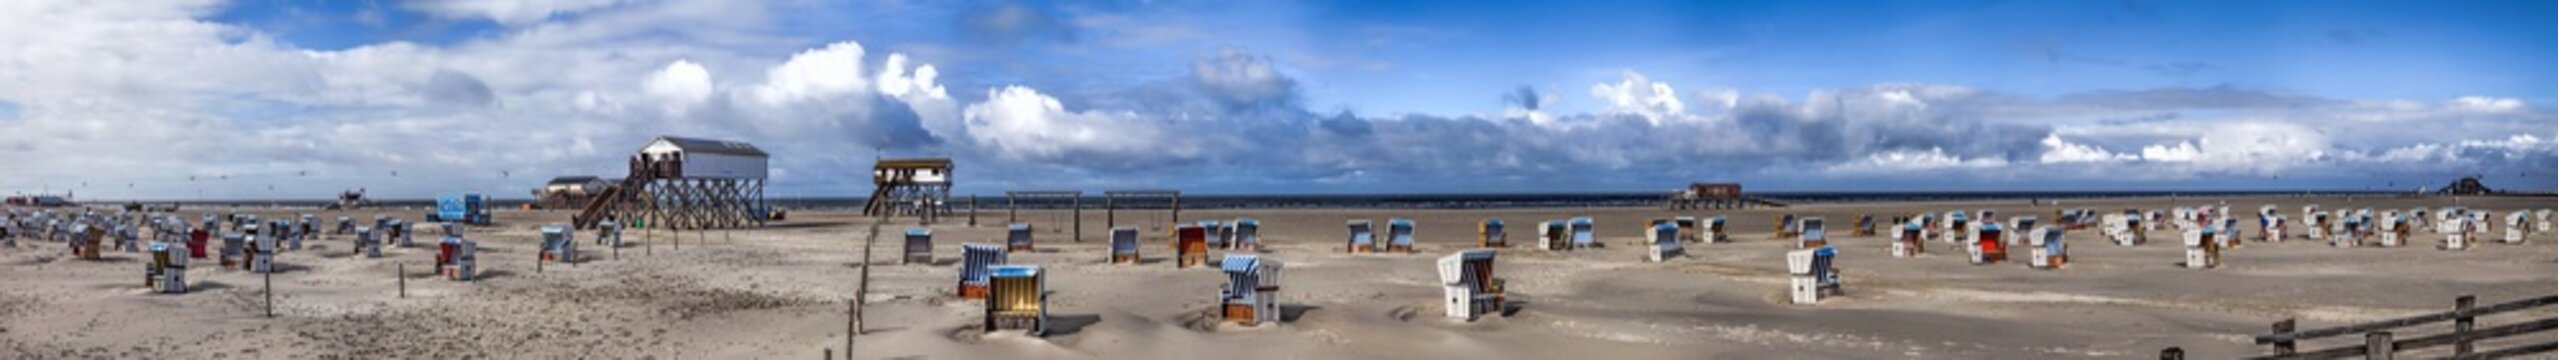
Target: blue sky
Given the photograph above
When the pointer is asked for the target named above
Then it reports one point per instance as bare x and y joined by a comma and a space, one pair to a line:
1271, 96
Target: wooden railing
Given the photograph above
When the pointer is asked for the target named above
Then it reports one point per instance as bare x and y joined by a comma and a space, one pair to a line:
2381, 342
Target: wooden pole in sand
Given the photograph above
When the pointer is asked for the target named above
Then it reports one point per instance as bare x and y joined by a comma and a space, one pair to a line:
270, 293
2376, 345
402, 273
1078, 214
854, 328
2464, 324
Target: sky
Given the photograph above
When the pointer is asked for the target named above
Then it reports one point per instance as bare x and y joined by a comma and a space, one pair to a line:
215, 99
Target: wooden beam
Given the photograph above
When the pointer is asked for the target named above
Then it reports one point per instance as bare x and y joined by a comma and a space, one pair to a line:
2513, 351
2407, 321
2431, 341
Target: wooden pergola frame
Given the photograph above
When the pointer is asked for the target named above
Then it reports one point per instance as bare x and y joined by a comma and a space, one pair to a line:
1013, 200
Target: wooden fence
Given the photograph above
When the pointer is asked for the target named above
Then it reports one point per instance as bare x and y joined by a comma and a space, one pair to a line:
2382, 339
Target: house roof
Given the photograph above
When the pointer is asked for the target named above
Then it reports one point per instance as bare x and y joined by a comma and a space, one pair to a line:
707, 146
573, 180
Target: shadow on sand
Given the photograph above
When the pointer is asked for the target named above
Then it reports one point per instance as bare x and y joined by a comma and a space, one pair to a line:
1059, 325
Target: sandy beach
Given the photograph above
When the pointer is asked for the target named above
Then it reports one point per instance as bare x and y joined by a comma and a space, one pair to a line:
783, 291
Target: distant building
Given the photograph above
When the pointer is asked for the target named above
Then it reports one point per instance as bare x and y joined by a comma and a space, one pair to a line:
569, 191
40, 200
2466, 186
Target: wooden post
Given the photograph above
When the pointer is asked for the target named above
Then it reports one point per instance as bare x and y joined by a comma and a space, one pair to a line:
2461, 327
1078, 213
972, 211
1176, 209
270, 293
854, 328
403, 274
2284, 347
1109, 210
2376, 346
1012, 210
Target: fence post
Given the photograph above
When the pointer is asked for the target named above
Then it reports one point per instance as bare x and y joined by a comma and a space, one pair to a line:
2285, 346
1078, 214
270, 292
2460, 328
403, 275
2376, 346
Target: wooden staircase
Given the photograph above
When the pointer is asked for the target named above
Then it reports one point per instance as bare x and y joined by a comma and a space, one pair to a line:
613, 200
879, 201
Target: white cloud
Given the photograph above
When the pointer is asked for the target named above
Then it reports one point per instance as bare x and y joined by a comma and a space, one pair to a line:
896, 81
1022, 124
1639, 96
835, 70
2247, 147
2486, 104
2057, 151
1721, 99
682, 85
2181, 151
1915, 160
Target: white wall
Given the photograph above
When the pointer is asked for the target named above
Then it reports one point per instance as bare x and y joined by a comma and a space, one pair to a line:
660, 147
723, 166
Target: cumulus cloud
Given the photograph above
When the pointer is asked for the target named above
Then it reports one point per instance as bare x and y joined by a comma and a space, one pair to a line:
1021, 124
1639, 96
831, 71
681, 85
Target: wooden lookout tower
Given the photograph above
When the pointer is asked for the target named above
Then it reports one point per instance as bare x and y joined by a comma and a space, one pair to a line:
917, 187
684, 183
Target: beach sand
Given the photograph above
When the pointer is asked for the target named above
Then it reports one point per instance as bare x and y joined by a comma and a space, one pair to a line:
783, 291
